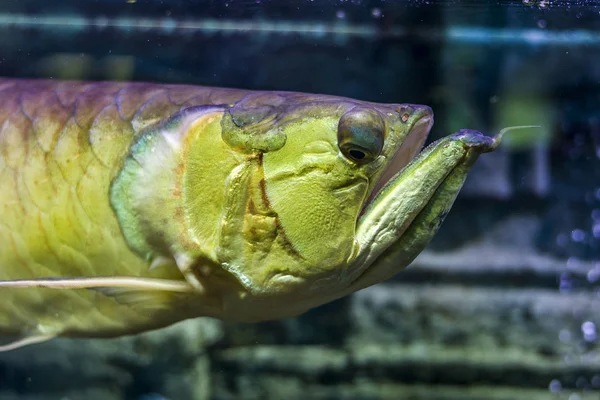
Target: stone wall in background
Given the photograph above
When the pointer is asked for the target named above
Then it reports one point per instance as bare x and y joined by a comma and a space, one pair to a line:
505, 302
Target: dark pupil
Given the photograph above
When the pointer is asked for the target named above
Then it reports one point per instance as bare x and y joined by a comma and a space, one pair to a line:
357, 154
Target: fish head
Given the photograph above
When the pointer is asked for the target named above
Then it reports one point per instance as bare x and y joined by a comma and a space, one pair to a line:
332, 156
332, 163
289, 198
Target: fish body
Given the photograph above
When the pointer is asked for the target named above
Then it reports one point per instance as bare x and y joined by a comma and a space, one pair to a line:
61, 145
148, 204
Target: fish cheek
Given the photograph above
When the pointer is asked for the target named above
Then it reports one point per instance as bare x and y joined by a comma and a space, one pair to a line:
316, 215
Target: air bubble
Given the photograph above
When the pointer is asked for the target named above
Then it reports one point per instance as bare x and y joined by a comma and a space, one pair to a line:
573, 263
578, 235
565, 282
555, 386
593, 275
561, 240
588, 329
570, 359
564, 336
376, 13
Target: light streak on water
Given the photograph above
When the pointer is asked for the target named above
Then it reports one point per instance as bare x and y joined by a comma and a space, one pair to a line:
171, 26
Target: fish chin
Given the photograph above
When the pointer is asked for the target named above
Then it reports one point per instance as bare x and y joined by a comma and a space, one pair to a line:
407, 151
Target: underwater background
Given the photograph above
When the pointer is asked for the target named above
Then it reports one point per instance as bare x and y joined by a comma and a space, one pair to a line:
505, 302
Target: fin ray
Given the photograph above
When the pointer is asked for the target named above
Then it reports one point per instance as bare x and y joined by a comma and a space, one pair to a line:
142, 299
26, 341
136, 283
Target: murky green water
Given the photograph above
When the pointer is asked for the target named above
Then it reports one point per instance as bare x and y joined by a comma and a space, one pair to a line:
504, 304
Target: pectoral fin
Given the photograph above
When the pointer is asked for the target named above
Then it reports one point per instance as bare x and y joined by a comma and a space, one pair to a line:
141, 299
134, 283
142, 293
26, 341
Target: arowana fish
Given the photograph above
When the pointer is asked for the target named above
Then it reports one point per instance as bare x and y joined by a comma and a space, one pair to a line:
126, 207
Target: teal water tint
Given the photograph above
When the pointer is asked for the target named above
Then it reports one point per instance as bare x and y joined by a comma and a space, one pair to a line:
504, 304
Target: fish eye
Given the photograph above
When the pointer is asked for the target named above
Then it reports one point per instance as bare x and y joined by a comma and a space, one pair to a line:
360, 135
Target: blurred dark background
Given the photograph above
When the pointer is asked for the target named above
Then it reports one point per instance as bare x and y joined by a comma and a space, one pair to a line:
504, 304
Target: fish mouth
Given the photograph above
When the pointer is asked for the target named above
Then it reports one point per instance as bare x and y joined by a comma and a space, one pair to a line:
408, 150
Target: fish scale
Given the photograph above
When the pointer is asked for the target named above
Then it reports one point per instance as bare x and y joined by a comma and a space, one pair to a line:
61, 145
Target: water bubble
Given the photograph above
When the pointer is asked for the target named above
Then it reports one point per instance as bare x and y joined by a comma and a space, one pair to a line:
555, 386
593, 274
570, 359
578, 235
596, 230
565, 283
573, 263
564, 336
588, 328
376, 13
541, 23
561, 240
340, 14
